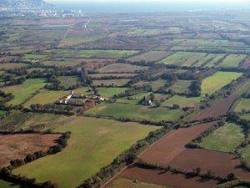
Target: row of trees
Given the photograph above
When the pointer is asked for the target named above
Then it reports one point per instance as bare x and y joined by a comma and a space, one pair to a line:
51, 108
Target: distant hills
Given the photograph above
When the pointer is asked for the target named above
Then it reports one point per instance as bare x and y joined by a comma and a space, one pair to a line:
24, 4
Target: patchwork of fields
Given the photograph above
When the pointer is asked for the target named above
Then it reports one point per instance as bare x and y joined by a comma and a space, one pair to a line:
150, 100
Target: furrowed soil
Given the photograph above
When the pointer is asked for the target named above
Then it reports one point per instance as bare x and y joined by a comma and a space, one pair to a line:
172, 144
219, 163
160, 177
219, 108
17, 146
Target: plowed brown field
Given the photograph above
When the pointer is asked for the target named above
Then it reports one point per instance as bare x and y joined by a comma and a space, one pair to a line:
172, 144
166, 178
17, 146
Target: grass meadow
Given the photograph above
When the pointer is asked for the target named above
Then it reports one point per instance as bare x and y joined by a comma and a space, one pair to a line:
94, 143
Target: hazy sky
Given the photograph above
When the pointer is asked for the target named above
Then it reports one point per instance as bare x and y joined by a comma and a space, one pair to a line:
162, 1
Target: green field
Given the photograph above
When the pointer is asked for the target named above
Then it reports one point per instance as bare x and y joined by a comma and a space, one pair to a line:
5, 184
134, 99
182, 101
2, 113
242, 105
181, 86
24, 91
110, 91
225, 138
245, 154
217, 81
232, 61
94, 143
68, 53
127, 183
151, 56
184, 58
136, 112
46, 97
68, 81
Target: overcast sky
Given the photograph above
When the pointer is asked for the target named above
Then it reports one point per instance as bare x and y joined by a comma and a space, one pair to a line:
162, 1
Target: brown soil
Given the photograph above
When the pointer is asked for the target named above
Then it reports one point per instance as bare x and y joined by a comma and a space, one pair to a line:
219, 108
166, 178
172, 144
219, 163
17, 146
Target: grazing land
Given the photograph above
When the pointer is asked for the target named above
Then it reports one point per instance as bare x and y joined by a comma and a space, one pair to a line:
136, 112
217, 81
94, 144
224, 139
144, 96
24, 91
46, 97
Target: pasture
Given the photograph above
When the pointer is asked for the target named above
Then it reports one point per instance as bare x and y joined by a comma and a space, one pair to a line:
217, 81
232, 61
94, 143
67, 82
107, 54
182, 101
110, 92
150, 56
181, 86
24, 91
242, 105
136, 112
121, 68
225, 138
46, 97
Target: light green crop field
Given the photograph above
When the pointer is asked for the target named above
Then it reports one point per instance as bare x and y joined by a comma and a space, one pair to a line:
225, 138
46, 97
67, 53
24, 91
94, 143
151, 56
232, 61
136, 112
182, 101
216, 60
127, 183
110, 91
217, 81
184, 58
242, 105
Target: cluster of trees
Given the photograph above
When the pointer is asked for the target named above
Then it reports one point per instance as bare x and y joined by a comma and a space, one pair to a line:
9, 80
6, 96
52, 108
195, 89
127, 158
